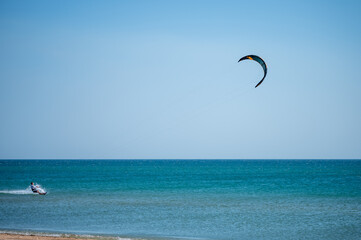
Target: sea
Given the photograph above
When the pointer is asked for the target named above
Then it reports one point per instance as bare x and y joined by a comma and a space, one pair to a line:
183, 199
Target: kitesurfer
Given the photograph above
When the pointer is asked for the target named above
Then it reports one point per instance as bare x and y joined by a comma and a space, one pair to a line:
33, 188
37, 189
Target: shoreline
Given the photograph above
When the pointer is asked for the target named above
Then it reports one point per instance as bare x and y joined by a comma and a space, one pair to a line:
33, 236
10, 235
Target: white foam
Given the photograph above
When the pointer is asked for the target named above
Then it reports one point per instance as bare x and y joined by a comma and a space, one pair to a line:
34, 233
40, 188
29, 233
21, 192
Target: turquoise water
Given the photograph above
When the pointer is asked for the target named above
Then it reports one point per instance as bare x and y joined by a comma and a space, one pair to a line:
205, 199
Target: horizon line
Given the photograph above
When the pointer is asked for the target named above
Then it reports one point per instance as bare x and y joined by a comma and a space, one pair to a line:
180, 159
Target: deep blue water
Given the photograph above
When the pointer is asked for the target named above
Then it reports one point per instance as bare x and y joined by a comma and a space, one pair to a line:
207, 199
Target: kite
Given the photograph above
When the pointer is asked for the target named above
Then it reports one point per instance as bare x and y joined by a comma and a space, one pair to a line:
260, 61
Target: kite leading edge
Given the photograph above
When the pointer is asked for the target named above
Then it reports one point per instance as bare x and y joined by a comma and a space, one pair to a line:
260, 61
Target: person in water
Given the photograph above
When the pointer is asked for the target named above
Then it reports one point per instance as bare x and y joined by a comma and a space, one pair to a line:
37, 189
33, 188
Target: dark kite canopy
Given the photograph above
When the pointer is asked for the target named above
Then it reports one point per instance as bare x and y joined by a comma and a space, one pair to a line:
260, 61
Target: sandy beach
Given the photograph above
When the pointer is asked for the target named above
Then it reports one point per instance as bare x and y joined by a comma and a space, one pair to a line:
13, 236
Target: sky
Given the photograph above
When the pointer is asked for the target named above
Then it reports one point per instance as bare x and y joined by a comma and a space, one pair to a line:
160, 80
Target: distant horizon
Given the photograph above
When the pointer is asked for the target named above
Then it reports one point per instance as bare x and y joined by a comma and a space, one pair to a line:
190, 159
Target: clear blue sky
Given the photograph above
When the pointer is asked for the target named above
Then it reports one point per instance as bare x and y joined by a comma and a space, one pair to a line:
160, 79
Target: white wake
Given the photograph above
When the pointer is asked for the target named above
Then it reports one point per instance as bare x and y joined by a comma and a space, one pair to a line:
22, 192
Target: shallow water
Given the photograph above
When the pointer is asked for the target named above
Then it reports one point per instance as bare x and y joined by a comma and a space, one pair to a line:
185, 199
